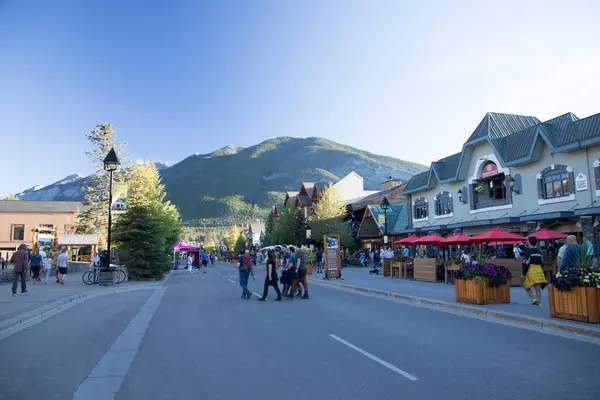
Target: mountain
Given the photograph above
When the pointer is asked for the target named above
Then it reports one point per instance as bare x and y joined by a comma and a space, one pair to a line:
233, 184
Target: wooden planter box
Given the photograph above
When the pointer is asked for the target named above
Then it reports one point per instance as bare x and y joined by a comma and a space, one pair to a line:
387, 267
577, 304
514, 266
424, 269
471, 291
309, 268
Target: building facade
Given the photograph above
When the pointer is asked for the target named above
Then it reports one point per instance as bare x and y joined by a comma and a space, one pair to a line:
18, 219
515, 172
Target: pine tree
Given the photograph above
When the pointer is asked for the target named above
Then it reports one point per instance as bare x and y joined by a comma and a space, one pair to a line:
269, 235
240, 244
102, 139
140, 236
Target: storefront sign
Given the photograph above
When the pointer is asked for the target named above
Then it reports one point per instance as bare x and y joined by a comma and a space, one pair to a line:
581, 183
332, 256
489, 169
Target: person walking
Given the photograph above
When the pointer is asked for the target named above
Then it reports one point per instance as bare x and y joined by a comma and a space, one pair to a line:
205, 260
190, 262
20, 259
271, 277
573, 254
63, 266
301, 269
47, 262
532, 271
244, 269
36, 264
212, 260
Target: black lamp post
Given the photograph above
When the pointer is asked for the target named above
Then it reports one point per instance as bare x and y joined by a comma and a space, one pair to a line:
385, 205
111, 164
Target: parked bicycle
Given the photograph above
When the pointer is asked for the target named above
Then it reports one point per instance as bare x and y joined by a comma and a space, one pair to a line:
92, 277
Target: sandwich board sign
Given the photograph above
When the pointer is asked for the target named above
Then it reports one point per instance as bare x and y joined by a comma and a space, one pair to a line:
333, 264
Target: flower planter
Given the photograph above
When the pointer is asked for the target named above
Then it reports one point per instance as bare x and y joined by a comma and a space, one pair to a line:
309, 268
476, 292
578, 304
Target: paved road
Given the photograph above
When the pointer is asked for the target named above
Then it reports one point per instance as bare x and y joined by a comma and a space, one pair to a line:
205, 342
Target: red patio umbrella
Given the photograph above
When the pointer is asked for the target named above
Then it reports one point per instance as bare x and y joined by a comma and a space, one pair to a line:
548, 234
429, 239
407, 240
497, 235
503, 243
457, 239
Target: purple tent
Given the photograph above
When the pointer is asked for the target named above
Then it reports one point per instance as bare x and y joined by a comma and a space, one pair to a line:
179, 245
193, 250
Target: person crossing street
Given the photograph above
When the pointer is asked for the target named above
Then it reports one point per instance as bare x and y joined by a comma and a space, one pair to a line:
271, 277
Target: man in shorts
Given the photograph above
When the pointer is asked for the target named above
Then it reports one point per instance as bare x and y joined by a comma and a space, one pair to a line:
205, 260
63, 265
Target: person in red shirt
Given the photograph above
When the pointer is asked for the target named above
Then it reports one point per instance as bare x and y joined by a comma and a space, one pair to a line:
20, 259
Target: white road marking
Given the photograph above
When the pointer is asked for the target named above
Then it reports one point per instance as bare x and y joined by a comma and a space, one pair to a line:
218, 273
376, 359
256, 294
105, 380
231, 281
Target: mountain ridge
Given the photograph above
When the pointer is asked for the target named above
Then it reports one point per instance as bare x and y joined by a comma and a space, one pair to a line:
236, 183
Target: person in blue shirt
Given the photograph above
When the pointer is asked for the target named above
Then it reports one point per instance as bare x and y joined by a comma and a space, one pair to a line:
205, 259
572, 257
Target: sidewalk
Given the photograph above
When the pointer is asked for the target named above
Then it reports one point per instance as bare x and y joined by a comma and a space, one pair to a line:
441, 295
43, 295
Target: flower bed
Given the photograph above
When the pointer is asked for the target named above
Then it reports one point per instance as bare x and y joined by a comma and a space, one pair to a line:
575, 294
483, 284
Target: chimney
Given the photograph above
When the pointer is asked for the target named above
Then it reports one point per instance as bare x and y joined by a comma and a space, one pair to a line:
390, 183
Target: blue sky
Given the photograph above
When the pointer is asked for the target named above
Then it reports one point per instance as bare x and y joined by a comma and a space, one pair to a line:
402, 78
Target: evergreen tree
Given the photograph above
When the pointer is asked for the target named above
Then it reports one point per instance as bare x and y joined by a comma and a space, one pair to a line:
102, 139
285, 230
328, 218
269, 235
299, 227
231, 239
140, 236
240, 244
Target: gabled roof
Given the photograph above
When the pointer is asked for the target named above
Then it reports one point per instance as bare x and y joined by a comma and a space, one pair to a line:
513, 139
397, 218
308, 186
304, 200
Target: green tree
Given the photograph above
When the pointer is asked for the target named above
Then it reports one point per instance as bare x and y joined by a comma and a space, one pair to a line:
102, 139
269, 235
240, 243
231, 239
285, 227
328, 218
11, 197
140, 236
144, 186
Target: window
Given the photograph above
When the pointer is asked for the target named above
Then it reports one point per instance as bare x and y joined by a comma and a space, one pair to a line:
497, 190
18, 232
556, 184
443, 204
420, 209
49, 226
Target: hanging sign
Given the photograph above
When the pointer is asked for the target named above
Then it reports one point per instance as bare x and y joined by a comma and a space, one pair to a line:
381, 219
119, 196
581, 183
489, 169
333, 264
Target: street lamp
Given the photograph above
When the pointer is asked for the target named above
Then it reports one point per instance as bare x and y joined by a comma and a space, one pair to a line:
111, 164
385, 205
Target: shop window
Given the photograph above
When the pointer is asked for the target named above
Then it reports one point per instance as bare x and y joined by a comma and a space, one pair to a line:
18, 232
420, 208
556, 184
443, 204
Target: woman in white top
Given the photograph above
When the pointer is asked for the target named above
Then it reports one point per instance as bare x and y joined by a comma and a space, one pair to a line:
190, 261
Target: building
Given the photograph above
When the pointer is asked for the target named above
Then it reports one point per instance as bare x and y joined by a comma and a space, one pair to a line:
515, 172
256, 230
350, 188
18, 219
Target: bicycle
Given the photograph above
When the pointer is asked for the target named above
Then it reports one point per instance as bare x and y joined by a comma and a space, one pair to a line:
92, 276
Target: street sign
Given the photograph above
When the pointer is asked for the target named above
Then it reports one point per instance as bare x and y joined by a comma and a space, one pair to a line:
333, 262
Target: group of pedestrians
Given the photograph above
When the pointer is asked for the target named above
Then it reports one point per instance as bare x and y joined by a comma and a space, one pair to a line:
24, 262
205, 258
293, 272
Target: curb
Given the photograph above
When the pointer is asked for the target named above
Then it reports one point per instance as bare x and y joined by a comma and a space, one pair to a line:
545, 325
51, 308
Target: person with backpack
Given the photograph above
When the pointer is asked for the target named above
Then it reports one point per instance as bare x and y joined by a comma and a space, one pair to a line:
300, 265
245, 270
